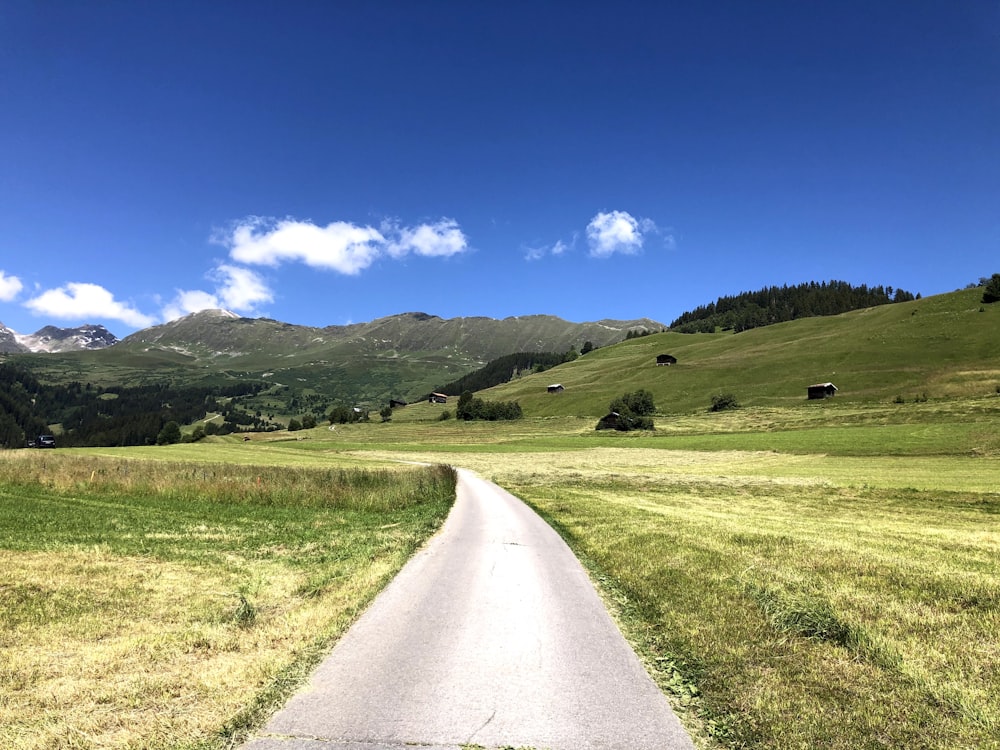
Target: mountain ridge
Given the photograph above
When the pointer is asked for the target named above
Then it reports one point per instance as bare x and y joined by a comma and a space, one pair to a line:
398, 356
54, 339
214, 333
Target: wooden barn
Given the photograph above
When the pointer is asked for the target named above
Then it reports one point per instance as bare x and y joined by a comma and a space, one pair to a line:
665, 360
396, 403
822, 390
438, 398
556, 388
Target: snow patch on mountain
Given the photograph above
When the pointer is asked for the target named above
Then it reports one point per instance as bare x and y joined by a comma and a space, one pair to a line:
52, 339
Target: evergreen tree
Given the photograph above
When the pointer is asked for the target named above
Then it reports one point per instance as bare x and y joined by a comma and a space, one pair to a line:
170, 434
992, 291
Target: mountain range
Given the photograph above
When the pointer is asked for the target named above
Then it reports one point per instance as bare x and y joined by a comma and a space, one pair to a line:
400, 356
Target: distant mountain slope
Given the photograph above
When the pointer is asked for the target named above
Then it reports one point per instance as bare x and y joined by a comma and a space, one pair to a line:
400, 356
53, 339
216, 333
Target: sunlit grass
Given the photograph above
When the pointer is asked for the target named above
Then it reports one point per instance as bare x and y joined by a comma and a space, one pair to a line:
168, 604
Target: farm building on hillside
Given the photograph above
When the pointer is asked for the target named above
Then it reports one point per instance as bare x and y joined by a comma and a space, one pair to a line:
396, 403
822, 390
438, 398
665, 359
556, 388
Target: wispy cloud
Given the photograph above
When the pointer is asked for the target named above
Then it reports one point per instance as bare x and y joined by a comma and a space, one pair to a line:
617, 232
339, 246
10, 287
237, 289
608, 233
189, 301
537, 253
76, 301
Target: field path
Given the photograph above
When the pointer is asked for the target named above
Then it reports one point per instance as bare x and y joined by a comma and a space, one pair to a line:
492, 635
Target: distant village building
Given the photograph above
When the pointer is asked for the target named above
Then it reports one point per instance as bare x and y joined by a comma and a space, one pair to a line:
556, 388
822, 390
438, 398
666, 359
395, 403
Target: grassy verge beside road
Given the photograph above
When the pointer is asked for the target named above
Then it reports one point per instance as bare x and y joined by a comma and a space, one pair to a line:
162, 604
787, 601
806, 616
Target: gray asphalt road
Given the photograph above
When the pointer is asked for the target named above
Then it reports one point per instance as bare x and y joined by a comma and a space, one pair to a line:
492, 635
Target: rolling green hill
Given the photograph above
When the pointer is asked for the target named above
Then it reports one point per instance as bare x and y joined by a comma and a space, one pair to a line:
942, 346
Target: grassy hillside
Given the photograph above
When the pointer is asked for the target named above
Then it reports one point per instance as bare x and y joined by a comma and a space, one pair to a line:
942, 347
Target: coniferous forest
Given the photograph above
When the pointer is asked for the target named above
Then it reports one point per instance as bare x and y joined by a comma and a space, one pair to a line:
775, 304
91, 416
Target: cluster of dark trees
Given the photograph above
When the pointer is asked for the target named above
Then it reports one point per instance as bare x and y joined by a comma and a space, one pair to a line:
504, 369
775, 304
724, 402
18, 417
638, 333
991, 290
92, 416
347, 415
470, 408
307, 422
630, 411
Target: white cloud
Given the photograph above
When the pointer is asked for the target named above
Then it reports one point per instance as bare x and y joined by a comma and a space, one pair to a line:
10, 287
77, 301
238, 289
241, 289
617, 232
440, 240
187, 302
339, 246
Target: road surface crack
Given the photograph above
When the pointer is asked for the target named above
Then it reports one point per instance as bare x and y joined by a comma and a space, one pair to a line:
485, 724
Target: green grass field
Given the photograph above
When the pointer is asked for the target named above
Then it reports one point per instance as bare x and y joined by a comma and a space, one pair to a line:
169, 604
795, 574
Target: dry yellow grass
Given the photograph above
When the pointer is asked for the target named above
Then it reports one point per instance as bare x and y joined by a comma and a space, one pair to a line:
150, 651
138, 611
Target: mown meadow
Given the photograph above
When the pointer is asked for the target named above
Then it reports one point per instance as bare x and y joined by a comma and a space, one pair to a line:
174, 604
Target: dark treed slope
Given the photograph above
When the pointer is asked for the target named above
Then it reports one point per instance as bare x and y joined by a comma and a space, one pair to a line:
775, 304
502, 370
91, 416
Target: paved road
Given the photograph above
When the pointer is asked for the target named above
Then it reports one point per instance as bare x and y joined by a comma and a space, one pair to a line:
491, 635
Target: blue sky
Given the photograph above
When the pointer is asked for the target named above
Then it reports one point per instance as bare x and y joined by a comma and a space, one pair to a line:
331, 162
